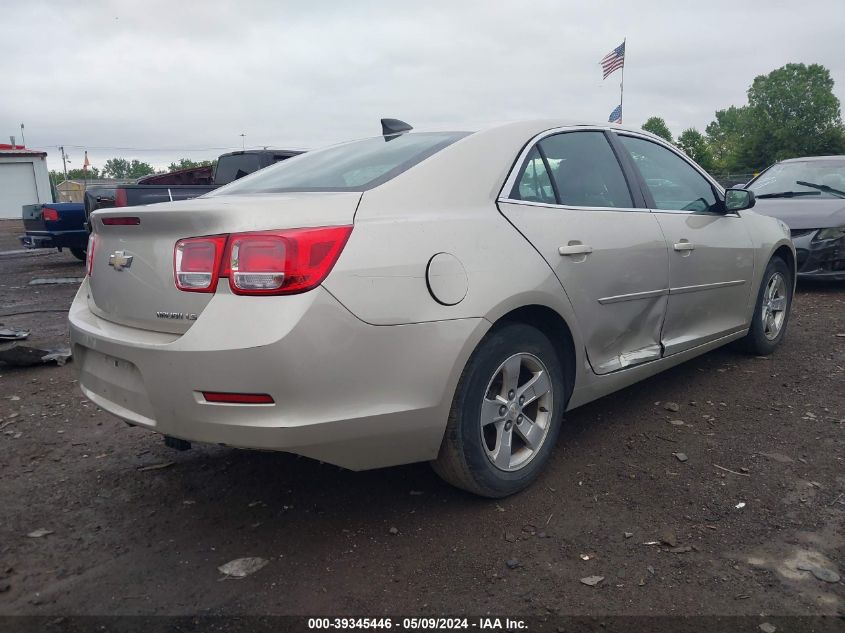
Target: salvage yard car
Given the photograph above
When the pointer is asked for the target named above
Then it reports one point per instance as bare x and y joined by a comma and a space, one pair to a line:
809, 195
440, 296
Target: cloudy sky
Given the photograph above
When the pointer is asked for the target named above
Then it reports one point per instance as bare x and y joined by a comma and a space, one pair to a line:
162, 79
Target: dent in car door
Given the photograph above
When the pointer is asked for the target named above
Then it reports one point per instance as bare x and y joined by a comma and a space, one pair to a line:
609, 256
711, 258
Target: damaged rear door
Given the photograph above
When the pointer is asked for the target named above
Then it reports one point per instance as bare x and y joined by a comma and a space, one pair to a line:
570, 199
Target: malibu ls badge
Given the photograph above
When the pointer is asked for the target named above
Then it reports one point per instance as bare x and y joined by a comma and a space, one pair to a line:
120, 260
187, 316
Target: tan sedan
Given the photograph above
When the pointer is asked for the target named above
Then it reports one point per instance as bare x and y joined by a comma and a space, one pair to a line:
440, 296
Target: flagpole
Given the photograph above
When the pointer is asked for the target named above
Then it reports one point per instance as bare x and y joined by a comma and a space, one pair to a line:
622, 82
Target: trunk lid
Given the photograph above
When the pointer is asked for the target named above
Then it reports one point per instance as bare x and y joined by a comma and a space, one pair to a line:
142, 292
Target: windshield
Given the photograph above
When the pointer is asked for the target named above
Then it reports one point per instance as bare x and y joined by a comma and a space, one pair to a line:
354, 166
808, 179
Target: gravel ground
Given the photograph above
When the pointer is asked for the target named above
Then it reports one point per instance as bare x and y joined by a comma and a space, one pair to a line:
668, 537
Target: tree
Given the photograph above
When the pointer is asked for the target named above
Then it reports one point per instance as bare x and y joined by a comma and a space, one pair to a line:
75, 174
694, 144
187, 163
123, 168
793, 112
727, 138
658, 126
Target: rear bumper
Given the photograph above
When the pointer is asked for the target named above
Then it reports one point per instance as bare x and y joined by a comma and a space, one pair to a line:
347, 393
59, 239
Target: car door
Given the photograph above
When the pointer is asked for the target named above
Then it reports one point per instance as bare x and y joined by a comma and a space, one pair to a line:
711, 258
569, 197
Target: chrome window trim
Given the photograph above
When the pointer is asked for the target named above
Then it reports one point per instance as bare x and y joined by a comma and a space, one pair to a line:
552, 205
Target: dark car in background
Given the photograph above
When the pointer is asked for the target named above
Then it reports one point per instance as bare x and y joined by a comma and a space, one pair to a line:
185, 183
57, 225
808, 194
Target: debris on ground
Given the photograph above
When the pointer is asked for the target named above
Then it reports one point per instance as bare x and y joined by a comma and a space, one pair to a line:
728, 470
672, 406
510, 537
46, 281
155, 466
592, 581
778, 457
669, 538
10, 334
740, 505
681, 457
394, 531
512, 563
676, 422
768, 627
242, 567
18, 355
39, 533
822, 573
628, 534
681, 549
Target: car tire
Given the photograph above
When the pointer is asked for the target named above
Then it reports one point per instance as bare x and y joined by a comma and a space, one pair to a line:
79, 253
771, 311
475, 454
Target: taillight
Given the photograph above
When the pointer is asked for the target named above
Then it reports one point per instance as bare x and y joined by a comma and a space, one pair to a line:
120, 197
196, 263
50, 215
89, 254
266, 262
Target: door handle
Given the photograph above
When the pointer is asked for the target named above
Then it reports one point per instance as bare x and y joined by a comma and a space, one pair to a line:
684, 245
575, 249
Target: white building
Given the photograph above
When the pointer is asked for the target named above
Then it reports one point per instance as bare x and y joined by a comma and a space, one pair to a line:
23, 179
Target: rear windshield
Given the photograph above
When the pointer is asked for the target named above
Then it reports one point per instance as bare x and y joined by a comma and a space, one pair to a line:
354, 166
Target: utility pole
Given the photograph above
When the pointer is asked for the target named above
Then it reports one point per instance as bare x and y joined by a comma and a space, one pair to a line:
23, 140
64, 160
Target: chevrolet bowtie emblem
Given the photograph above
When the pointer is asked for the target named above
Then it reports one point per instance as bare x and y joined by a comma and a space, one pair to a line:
120, 260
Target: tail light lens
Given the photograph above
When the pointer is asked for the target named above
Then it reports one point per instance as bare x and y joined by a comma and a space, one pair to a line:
196, 262
120, 197
50, 215
262, 263
89, 254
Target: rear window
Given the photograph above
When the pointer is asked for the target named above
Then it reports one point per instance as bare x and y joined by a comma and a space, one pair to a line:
354, 166
236, 166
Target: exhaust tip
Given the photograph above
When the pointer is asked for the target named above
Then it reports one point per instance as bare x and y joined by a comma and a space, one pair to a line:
176, 443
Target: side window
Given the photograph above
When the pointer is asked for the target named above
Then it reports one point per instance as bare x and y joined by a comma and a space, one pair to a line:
534, 184
673, 182
585, 170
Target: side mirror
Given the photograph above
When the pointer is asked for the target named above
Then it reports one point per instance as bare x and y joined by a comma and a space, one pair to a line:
738, 199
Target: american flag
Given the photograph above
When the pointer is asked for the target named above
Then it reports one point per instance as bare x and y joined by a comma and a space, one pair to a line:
616, 115
614, 60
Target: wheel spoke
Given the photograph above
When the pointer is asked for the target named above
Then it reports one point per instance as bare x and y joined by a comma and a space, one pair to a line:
504, 447
538, 386
510, 374
530, 432
490, 410
778, 304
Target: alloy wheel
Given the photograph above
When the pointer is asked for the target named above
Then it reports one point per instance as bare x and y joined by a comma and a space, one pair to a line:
516, 412
773, 311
